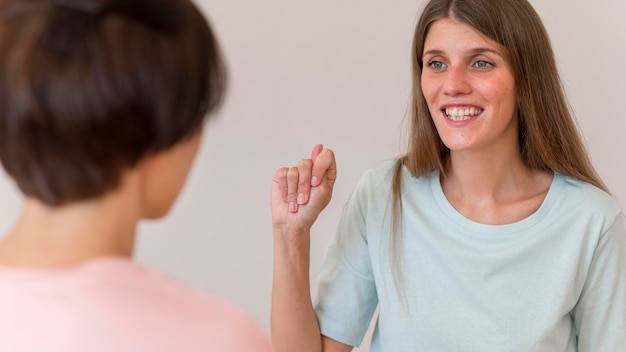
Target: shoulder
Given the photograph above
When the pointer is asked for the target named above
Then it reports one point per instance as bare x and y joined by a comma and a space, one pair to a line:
114, 304
587, 197
147, 298
585, 202
377, 182
383, 174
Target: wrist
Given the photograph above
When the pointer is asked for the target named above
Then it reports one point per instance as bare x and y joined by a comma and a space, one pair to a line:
286, 232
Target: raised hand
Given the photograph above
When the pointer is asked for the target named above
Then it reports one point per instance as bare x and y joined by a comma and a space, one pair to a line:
300, 193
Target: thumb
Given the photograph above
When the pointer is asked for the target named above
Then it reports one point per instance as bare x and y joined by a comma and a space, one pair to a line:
316, 151
324, 167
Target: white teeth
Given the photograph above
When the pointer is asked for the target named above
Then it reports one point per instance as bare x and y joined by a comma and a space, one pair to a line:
462, 114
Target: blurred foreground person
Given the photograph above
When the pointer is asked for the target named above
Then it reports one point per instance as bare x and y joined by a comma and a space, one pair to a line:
102, 105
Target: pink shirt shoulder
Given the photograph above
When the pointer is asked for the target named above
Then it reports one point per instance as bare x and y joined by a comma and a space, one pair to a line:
114, 304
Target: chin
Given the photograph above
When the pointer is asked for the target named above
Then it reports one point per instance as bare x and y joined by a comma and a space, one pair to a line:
457, 146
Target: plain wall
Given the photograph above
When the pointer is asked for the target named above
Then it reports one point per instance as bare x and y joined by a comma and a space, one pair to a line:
337, 73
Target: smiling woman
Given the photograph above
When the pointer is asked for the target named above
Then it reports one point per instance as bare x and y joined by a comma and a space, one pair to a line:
493, 233
470, 89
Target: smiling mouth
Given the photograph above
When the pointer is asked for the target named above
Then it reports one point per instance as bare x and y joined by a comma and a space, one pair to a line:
461, 114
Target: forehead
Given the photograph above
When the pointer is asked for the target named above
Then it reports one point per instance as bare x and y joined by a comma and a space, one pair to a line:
450, 35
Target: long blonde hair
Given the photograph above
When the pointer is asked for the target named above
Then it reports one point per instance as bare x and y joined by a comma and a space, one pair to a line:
548, 136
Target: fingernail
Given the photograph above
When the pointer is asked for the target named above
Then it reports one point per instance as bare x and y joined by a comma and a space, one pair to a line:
314, 181
301, 198
292, 206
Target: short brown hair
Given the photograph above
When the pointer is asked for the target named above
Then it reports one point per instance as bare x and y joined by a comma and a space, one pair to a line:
88, 87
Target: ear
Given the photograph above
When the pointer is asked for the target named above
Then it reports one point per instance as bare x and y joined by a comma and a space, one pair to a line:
149, 167
151, 162
163, 175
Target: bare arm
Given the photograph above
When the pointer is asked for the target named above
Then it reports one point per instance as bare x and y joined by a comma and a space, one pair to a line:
298, 196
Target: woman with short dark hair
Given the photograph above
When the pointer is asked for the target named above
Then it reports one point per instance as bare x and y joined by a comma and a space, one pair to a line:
102, 105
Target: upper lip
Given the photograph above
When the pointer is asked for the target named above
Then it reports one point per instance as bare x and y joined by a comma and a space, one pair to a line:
460, 105
468, 107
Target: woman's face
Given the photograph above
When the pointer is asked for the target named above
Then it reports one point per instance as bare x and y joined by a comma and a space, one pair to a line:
469, 87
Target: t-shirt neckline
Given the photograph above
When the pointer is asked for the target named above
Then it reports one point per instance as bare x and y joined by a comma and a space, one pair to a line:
488, 229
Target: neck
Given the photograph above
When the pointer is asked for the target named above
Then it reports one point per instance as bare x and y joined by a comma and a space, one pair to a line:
486, 176
495, 189
73, 233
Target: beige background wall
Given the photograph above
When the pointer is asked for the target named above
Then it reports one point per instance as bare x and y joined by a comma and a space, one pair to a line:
336, 72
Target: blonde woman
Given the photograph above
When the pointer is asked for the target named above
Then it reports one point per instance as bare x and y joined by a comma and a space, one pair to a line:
493, 233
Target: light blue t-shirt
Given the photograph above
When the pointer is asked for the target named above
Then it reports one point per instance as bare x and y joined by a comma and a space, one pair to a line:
554, 281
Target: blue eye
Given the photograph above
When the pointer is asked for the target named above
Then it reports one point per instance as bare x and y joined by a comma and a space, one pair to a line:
482, 64
437, 65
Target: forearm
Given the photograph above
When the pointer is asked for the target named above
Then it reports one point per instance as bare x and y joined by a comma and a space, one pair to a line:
293, 322
298, 196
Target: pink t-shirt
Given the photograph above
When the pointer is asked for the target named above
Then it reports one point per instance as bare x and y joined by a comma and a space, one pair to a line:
114, 304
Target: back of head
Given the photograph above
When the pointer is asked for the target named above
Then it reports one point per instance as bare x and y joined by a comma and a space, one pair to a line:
89, 87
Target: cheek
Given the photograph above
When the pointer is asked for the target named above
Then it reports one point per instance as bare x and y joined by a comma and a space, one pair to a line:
500, 93
429, 90
502, 88
427, 86
508, 100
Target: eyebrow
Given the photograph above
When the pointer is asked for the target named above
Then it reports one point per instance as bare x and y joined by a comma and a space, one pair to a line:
475, 51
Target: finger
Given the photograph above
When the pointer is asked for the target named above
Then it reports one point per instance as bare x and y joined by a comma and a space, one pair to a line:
316, 151
292, 189
324, 166
279, 182
304, 182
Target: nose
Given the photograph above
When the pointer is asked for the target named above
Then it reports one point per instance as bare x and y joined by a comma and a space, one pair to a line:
457, 82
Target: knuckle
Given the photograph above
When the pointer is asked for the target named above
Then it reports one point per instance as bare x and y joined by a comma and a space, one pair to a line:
305, 163
293, 173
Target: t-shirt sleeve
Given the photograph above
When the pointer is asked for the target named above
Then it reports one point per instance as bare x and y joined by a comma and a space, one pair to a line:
600, 314
347, 296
